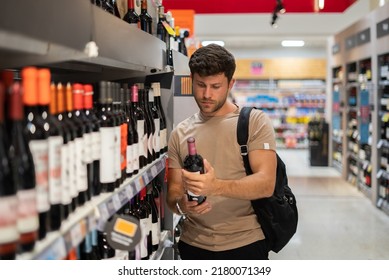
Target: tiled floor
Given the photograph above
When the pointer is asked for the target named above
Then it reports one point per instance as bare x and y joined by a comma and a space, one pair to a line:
336, 221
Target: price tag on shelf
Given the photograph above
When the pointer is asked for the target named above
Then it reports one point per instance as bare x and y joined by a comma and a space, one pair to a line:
129, 191
77, 233
103, 211
154, 171
116, 202
138, 184
146, 178
110, 207
123, 196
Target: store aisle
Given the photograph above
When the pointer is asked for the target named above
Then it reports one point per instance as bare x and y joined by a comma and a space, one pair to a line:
336, 221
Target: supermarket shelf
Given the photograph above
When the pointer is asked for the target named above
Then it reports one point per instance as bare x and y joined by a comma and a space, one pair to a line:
93, 215
56, 40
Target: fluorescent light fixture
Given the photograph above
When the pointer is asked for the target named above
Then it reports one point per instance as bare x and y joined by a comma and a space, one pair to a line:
292, 43
382, 2
206, 43
321, 4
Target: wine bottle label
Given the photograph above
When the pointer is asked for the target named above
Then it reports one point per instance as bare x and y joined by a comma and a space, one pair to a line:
65, 192
107, 150
150, 143
155, 235
81, 174
27, 211
39, 150
88, 145
135, 159
163, 139
96, 145
71, 158
143, 242
117, 161
130, 158
8, 219
157, 136
142, 138
55, 183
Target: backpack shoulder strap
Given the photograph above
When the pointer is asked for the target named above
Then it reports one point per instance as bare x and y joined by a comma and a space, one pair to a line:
242, 132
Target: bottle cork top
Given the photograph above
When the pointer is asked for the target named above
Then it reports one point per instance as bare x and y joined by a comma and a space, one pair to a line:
30, 85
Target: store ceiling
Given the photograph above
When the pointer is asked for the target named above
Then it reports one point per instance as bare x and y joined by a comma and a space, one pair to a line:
245, 24
256, 6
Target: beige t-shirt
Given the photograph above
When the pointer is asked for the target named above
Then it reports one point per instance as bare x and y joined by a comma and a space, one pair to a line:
231, 223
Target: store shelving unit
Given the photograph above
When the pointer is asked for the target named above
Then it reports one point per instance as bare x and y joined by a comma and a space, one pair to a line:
289, 103
361, 151
80, 42
337, 116
383, 142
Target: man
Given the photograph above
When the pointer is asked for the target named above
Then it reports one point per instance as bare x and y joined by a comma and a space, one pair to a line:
225, 225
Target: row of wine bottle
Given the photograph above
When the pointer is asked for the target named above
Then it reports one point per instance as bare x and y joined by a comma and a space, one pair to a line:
58, 150
145, 206
165, 28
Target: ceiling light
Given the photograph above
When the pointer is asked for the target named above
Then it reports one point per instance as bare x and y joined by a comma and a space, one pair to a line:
292, 43
321, 4
280, 7
206, 43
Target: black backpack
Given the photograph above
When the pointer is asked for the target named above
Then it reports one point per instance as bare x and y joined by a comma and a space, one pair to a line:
277, 214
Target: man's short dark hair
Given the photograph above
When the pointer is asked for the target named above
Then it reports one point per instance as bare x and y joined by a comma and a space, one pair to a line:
212, 60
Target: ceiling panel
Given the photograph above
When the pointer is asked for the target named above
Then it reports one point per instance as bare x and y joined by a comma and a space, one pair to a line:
255, 6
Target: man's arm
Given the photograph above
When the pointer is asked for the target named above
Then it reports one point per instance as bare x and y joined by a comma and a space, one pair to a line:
258, 185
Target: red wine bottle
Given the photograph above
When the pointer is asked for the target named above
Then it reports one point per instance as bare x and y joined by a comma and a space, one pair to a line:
162, 118
193, 162
9, 236
150, 128
129, 149
140, 125
107, 149
145, 19
80, 167
143, 213
55, 142
39, 145
155, 226
79, 112
68, 154
65, 191
96, 138
132, 17
111, 91
156, 119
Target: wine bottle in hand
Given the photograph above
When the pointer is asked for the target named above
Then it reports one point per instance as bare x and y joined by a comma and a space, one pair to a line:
193, 162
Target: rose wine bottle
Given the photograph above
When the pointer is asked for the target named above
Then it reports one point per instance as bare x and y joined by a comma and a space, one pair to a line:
193, 162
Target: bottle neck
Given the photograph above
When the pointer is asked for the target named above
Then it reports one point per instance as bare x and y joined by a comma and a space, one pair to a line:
192, 148
130, 4
144, 6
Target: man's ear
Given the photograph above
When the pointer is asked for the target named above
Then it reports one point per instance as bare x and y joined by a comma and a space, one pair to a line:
231, 84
